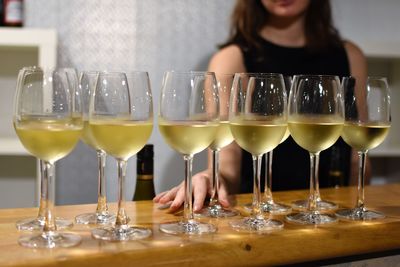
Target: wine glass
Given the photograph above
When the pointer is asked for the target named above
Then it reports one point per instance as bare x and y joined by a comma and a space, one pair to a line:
121, 122
188, 121
367, 123
258, 121
37, 223
48, 122
316, 118
222, 138
87, 83
268, 204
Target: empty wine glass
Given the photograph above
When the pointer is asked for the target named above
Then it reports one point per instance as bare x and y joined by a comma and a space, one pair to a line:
222, 138
87, 83
121, 122
316, 118
188, 121
367, 123
258, 121
48, 122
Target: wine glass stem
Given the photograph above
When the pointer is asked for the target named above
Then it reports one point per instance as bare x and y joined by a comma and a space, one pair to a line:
317, 194
122, 219
314, 194
362, 156
215, 178
188, 206
268, 178
43, 186
48, 195
257, 212
102, 208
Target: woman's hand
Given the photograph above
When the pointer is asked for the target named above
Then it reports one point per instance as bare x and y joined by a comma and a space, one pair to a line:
202, 188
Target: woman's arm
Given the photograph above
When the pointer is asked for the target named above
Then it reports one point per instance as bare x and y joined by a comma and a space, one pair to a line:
227, 60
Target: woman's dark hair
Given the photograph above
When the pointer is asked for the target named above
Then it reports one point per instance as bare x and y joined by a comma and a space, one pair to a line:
249, 17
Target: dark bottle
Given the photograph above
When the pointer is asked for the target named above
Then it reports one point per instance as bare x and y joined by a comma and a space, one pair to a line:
13, 13
1, 13
144, 169
336, 176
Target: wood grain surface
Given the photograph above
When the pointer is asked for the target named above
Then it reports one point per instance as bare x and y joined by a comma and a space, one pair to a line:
293, 244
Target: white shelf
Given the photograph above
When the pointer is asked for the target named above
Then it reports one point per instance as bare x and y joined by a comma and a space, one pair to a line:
26, 36
45, 40
20, 47
387, 152
12, 147
384, 50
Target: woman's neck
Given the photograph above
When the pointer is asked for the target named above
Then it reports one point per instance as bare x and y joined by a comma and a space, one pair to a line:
285, 31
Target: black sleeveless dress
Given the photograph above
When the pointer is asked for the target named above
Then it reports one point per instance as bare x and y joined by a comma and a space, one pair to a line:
291, 165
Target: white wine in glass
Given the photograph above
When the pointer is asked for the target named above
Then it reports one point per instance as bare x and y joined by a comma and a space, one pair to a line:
121, 122
222, 138
367, 123
258, 121
188, 121
87, 84
48, 122
316, 118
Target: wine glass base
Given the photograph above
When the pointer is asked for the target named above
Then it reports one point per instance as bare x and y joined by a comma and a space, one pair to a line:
359, 214
191, 227
50, 240
309, 218
121, 234
255, 225
321, 205
217, 211
93, 218
32, 224
273, 208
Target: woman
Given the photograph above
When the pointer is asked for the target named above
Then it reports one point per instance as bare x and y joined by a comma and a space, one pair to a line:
282, 36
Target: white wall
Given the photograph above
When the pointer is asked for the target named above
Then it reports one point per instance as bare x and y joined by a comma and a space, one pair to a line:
152, 35
367, 20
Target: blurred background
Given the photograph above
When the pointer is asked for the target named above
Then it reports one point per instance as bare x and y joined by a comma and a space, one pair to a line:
155, 35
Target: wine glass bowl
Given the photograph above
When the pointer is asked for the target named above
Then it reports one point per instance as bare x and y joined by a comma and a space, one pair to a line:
48, 122
258, 122
315, 122
121, 122
367, 123
188, 121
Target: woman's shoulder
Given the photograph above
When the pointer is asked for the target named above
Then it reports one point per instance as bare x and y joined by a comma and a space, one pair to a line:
228, 59
353, 51
357, 60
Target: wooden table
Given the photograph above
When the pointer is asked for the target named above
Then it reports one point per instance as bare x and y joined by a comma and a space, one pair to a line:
294, 244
